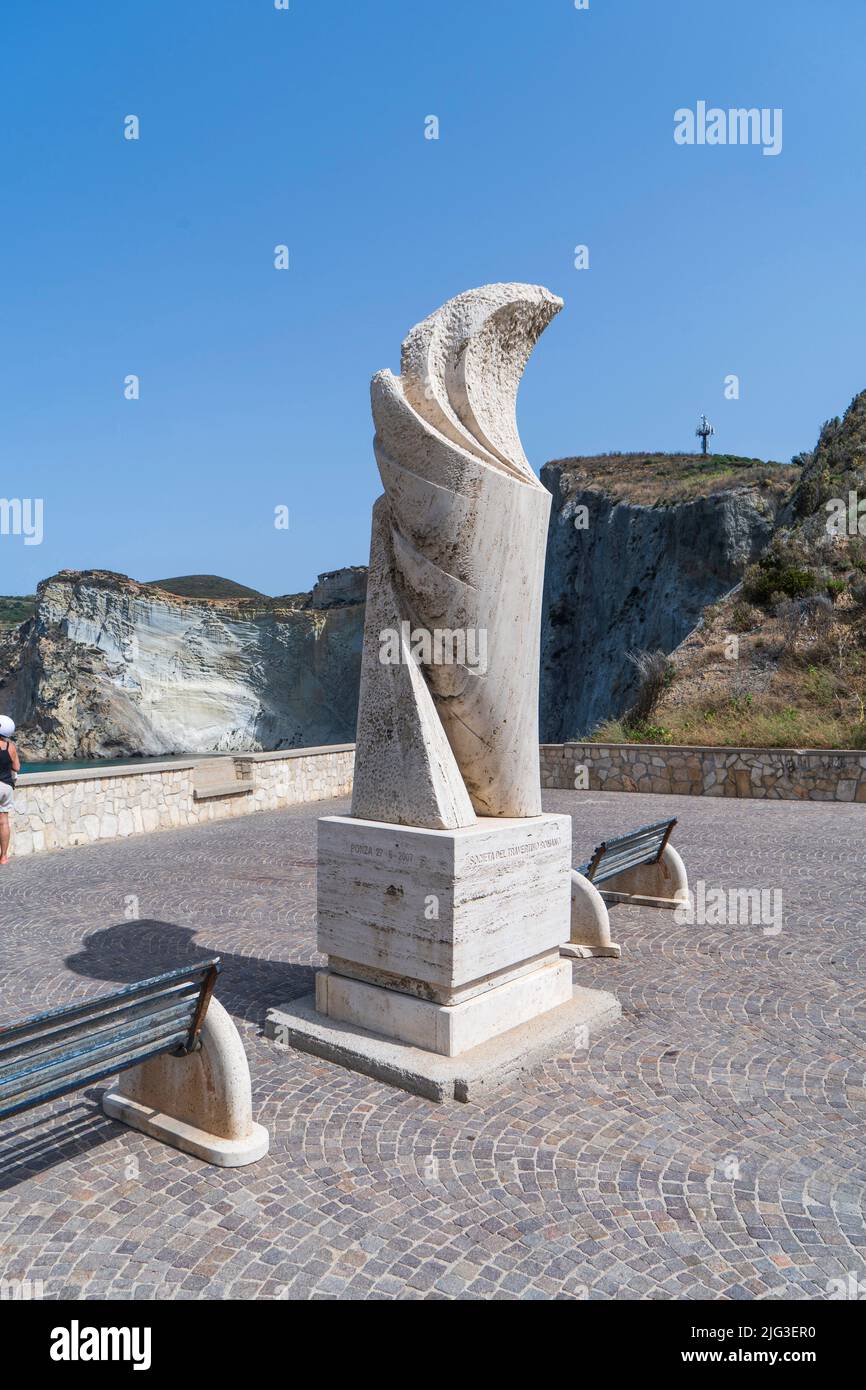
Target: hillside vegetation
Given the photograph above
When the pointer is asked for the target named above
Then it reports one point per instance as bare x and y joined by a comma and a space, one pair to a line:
658, 480
204, 586
781, 661
15, 610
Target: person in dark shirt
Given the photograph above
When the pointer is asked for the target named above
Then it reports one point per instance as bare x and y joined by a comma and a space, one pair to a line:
10, 766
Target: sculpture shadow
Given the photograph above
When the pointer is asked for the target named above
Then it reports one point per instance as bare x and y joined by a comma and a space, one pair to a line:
136, 950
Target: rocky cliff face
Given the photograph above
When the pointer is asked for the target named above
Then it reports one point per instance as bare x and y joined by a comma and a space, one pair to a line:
638, 546
625, 575
108, 667
797, 676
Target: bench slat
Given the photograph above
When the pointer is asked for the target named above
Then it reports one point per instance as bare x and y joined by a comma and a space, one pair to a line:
119, 1042
86, 1006
659, 825
649, 843
38, 1062
610, 868
127, 1010
59, 1051
642, 846
645, 850
18, 1103
639, 842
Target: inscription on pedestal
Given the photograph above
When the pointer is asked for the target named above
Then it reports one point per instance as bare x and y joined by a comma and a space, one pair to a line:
495, 856
448, 908
392, 856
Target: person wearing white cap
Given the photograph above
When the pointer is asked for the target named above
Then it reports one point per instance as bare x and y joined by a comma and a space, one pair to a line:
10, 766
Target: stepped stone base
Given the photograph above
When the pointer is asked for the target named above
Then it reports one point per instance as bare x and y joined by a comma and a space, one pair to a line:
446, 1029
444, 975
563, 1031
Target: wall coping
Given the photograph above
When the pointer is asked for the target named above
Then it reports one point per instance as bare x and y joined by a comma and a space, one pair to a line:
93, 774
317, 751
715, 748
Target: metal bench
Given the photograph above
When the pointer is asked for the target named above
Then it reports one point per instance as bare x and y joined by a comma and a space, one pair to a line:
643, 846
51, 1054
187, 1078
640, 867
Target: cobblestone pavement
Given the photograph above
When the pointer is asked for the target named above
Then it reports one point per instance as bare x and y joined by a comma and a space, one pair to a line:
709, 1145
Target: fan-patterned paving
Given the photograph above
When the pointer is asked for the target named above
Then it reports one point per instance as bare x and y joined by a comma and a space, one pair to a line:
710, 1145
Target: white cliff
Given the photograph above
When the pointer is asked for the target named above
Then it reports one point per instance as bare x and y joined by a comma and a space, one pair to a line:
108, 667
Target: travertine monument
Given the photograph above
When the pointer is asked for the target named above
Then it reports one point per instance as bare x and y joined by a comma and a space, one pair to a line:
444, 898
458, 544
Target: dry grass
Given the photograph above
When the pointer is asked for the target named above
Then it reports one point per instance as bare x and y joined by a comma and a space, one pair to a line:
775, 685
666, 479
736, 725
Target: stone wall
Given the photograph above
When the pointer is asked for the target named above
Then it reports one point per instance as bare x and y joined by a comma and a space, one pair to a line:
780, 774
55, 810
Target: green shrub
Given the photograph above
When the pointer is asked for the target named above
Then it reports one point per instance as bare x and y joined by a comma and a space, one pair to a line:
743, 617
621, 731
647, 733
611, 731
765, 581
857, 552
819, 685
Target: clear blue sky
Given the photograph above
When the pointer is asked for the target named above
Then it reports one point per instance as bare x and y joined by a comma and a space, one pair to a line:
306, 127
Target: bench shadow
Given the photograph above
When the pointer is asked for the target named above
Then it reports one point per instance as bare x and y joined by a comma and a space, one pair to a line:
35, 1142
136, 950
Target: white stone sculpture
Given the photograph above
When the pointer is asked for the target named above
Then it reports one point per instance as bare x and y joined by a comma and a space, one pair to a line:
457, 548
443, 900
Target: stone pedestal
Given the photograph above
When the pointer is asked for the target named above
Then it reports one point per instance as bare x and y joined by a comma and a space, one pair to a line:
440, 913
440, 942
443, 938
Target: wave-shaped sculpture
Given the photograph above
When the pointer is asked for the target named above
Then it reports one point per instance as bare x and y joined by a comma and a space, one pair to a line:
448, 716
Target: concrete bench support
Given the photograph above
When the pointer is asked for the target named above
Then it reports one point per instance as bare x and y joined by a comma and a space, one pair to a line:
663, 884
590, 923
200, 1103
